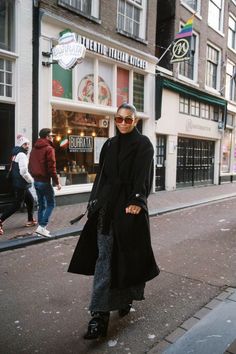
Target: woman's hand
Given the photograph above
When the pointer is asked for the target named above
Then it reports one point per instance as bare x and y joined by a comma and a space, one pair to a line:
133, 209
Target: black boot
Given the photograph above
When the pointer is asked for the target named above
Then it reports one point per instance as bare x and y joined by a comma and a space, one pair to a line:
123, 312
98, 325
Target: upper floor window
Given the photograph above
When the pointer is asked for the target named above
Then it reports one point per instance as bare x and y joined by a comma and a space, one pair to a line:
232, 32
187, 67
6, 78
132, 17
215, 14
194, 4
89, 8
212, 67
230, 89
7, 25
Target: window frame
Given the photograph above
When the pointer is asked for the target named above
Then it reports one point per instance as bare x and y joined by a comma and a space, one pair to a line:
210, 61
233, 47
12, 85
187, 62
198, 7
95, 10
142, 19
221, 16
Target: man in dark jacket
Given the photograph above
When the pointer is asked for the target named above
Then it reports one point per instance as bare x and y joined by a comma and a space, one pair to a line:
21, 182
42, 165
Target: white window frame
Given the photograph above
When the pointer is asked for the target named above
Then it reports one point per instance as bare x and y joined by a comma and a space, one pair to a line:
94, 8
11, 57
221, 19
143, 18
229, 44
217, 70
198, 10
230, 86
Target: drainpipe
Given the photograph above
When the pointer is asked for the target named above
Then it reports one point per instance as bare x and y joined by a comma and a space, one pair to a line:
35, 76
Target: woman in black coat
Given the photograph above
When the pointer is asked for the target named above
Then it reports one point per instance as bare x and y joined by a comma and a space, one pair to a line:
115, 244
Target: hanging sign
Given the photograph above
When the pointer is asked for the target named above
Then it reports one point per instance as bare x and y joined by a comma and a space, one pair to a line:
180, 50
79, 143
68, 52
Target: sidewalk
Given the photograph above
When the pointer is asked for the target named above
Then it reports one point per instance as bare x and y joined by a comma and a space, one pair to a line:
16, 235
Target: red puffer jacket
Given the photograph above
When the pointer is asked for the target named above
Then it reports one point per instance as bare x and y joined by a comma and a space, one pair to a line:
42, 162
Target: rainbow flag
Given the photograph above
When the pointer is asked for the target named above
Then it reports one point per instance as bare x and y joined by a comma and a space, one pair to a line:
187, 30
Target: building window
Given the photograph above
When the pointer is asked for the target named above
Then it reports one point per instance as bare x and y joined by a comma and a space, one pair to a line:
138, 92
122, 86
205, 111
212, 67
7, 25
226, 153
186, 68
195, 108
194, 4
184, 105
216, 114
88, 8
230, 90
215, 14
78, 142
61, 82
132, 17
232, 33
6, 78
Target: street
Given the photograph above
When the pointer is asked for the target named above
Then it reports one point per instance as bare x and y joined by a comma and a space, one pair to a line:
43, 309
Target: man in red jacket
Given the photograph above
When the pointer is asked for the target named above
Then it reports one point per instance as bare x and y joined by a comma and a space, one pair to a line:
42, 165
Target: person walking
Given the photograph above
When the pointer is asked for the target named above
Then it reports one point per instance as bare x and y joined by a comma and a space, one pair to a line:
42, 165
115, 244
21, 182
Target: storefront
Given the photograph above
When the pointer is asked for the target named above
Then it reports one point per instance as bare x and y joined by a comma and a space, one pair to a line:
190, 122
79, 104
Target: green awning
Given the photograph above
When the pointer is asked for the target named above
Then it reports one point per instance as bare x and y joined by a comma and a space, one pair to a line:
186, 91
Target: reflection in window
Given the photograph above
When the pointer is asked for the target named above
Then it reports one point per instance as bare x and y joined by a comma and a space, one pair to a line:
122, 86
138, 92
78, 142
61, 82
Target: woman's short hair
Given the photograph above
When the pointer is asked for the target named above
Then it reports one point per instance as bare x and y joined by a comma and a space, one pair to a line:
129, 106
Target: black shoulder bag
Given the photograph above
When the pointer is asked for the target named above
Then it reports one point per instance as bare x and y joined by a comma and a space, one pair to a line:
93, 202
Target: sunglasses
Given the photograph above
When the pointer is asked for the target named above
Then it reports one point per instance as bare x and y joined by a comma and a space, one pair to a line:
128, 120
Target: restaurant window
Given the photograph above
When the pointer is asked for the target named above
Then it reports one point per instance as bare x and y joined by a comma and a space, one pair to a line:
78, 142
88, 8
122, 86
105, 84
86, 81
61, 82
7, 25
6, 78
138, 92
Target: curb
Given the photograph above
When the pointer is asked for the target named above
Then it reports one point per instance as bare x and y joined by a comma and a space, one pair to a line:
76, 230
164, 345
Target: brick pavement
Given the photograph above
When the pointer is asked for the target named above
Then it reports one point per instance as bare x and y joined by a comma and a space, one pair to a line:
158, 203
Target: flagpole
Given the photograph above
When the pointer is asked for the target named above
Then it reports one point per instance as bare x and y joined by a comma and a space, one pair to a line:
165, 52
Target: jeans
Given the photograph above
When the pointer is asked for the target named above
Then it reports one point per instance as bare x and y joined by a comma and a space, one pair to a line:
46, 201
21, 195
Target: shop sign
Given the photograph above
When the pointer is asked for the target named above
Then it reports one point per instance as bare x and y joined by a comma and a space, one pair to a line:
68, 52
79, 143
190, 126
112, 53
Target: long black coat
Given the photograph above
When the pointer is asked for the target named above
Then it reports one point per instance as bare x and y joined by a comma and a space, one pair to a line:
126, 162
